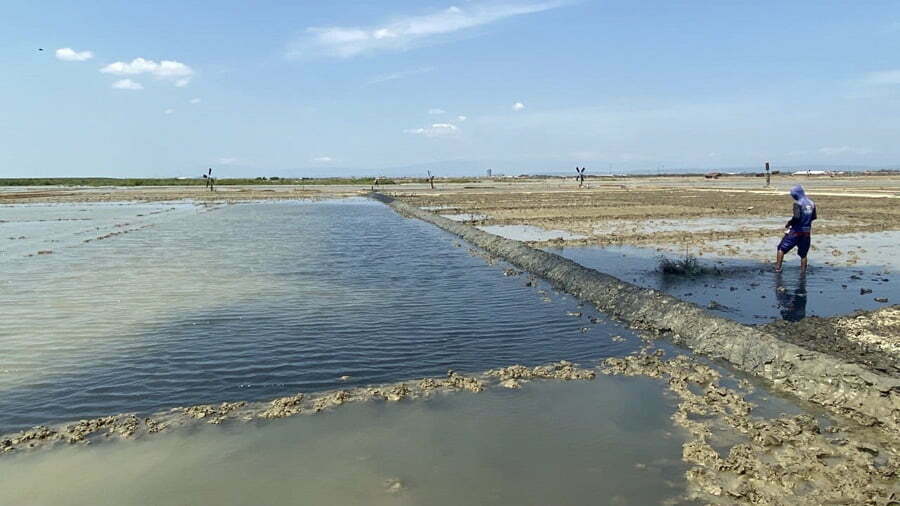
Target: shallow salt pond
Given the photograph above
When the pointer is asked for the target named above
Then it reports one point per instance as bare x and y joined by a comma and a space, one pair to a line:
256, 301
529, 233
607, 441
748, 290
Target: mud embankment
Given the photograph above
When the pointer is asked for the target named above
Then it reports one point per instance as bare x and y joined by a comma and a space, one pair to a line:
738, 458
131, 426
850, 389
871, 338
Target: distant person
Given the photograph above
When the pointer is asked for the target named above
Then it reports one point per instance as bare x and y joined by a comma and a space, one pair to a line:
799, 229
375, 184
768, 175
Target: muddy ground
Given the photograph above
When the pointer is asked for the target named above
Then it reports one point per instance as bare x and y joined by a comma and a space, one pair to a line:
643, 212
869, 338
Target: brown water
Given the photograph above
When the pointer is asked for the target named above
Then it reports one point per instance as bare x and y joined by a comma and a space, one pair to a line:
607, 441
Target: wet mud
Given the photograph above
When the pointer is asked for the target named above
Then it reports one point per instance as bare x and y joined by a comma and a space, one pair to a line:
869, 397
130, 425
679, 213
870, 338
738, 458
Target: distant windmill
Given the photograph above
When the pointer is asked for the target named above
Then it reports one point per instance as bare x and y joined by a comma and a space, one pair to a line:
210, 181
580, 176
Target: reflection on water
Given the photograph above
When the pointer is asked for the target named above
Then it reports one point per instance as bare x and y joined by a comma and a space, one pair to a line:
256, 301
608, 441
791, 299
742, 289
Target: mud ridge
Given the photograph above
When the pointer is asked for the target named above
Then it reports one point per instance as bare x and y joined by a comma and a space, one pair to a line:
846, 388
131, 426
737, 458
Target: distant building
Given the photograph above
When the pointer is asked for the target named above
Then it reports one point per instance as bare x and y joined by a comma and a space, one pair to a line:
488, 172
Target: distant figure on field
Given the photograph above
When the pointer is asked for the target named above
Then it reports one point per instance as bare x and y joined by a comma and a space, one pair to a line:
768, 175
580, 176
431, 179
375, 184
799, 229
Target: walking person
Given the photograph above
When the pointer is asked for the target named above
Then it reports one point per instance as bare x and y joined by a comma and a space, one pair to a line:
799, 229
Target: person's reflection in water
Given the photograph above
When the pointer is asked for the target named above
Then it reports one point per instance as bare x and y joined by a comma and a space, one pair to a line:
791, 304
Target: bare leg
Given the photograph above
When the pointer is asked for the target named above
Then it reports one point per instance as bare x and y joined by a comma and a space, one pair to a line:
803, 264
778, 259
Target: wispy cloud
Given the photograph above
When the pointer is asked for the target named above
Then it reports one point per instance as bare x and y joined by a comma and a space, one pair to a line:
461, 118
436, 111
69, 54
174, 71
399, 75
407, 31
435, 130
227, 160
127, 84
195, 100
518, 106
886, 77
844, 150
323, 159
169, 111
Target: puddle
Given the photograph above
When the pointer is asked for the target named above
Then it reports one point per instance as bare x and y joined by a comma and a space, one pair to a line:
749, 291
529, 233
465, 217
262, 300
695, 225
609, 440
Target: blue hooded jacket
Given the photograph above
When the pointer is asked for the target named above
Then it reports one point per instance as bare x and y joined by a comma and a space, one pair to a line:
804, 211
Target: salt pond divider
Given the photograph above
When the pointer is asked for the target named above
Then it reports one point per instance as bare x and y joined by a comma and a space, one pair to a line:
846, 388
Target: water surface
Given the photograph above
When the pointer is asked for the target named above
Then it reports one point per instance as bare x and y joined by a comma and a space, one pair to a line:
608, 441
255, 301
746, 290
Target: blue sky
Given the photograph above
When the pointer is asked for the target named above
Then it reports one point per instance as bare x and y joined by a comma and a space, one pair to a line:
167, 88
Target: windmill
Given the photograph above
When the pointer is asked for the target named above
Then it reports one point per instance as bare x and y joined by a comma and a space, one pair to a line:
210, 181
580, 176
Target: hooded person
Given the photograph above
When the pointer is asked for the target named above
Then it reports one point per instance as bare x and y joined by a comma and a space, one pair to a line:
799, 228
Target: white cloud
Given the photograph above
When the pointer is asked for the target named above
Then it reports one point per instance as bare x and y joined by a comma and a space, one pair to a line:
886, 77
435, 130
518, 106
436, 111
195, 100
323, 159
127, 84
176, 72
169, 111
398, 75
227, 160
407, 31
461, 118
843, 150
69, 54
